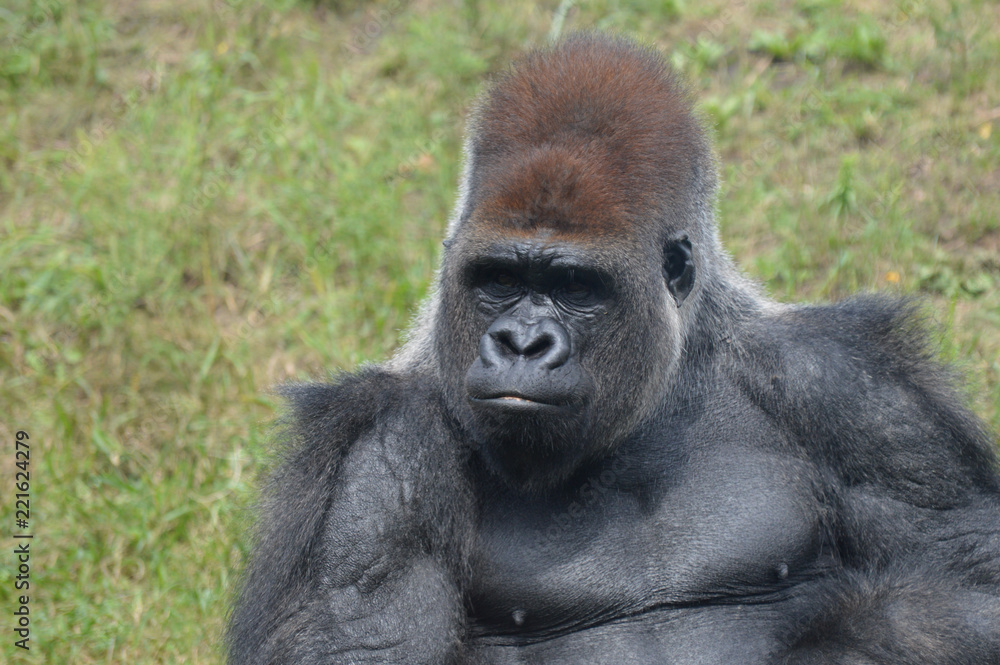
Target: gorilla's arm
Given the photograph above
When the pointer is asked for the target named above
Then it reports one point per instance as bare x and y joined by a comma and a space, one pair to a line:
915, 486
905, 613
356, 558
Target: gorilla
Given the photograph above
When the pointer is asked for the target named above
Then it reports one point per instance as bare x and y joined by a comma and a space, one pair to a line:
601, 444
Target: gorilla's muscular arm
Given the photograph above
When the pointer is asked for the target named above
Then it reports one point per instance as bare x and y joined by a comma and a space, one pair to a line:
917, 501
904, 613
355, 556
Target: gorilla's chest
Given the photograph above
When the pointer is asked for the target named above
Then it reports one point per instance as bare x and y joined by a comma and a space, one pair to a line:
718, 527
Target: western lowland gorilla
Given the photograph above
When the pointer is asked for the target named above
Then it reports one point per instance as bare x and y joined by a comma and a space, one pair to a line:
601, 444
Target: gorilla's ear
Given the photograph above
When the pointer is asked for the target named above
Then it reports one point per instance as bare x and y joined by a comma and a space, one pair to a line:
678, 268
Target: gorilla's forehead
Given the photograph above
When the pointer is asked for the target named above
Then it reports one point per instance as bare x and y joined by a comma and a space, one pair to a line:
562, 189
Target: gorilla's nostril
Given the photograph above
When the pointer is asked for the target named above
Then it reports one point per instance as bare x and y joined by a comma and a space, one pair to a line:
537, 346
551, 346
505, 341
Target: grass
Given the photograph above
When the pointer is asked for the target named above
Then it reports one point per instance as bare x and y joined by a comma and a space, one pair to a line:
199, 201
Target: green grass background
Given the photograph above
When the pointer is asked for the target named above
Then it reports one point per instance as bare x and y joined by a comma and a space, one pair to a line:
200, 200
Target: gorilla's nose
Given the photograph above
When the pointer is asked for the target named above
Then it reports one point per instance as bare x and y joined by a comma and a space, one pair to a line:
544, 341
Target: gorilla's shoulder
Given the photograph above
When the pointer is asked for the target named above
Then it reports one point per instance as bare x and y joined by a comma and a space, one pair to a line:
859, 383
860, 338
353, 401
322, 420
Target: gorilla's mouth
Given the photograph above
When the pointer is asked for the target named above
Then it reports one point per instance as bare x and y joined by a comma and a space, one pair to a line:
515, 402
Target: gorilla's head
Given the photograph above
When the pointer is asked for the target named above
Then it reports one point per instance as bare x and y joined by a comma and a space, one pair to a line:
571, 264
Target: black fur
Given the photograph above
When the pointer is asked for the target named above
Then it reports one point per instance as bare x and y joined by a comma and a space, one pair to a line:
292, 605
603, 445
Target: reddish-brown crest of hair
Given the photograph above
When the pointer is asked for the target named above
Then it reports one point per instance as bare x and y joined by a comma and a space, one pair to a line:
588, 138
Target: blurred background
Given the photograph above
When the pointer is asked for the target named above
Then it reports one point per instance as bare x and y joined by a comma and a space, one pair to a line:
202, 199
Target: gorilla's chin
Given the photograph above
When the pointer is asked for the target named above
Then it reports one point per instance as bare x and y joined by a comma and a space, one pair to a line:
532, 448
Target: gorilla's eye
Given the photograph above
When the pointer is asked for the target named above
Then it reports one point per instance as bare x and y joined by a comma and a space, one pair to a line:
505, 279
576, 293
499, 284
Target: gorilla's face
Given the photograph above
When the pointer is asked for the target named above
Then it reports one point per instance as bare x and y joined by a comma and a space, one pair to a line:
555, 351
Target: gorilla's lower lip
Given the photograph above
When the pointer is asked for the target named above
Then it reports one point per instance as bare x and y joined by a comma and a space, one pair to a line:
516, 402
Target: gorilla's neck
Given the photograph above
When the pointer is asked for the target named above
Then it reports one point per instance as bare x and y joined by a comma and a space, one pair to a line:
722, 303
